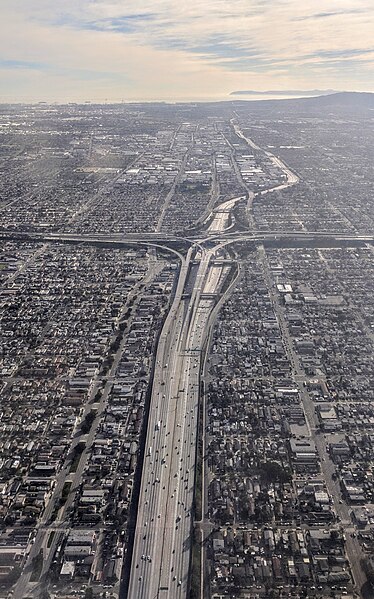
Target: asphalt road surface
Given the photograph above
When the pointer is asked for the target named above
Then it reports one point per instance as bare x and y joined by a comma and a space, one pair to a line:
162, 543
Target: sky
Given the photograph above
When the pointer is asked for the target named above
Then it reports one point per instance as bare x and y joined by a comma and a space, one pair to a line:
180, 50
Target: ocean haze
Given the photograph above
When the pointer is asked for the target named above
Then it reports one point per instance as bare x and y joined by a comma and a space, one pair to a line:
111, 50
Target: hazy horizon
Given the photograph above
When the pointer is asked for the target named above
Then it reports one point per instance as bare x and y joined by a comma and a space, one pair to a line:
109, 50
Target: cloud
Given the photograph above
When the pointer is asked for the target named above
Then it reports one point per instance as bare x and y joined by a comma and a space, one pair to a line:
163, 48
327, 15
21, 64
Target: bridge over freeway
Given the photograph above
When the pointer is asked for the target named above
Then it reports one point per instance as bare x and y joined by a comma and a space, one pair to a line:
175, 242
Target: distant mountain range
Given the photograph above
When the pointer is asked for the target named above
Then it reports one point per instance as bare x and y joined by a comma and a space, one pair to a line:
363, 99
334, 102
287, 92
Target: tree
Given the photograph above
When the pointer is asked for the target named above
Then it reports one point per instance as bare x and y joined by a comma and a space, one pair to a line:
274, 472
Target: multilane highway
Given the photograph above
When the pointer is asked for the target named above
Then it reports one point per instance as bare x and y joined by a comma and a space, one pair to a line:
162, 543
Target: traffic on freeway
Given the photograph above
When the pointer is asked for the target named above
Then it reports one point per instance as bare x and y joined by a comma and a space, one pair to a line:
162, 543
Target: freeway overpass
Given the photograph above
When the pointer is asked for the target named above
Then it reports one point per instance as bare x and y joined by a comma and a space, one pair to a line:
171, 242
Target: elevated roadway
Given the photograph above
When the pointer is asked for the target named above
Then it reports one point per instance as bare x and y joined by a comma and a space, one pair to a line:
167, 242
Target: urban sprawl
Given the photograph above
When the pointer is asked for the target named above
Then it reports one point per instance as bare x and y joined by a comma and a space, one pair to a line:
186, 373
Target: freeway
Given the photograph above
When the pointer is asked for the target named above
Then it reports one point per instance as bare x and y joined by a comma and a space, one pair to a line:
221, 215
249, 141
162, 541
292, 178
